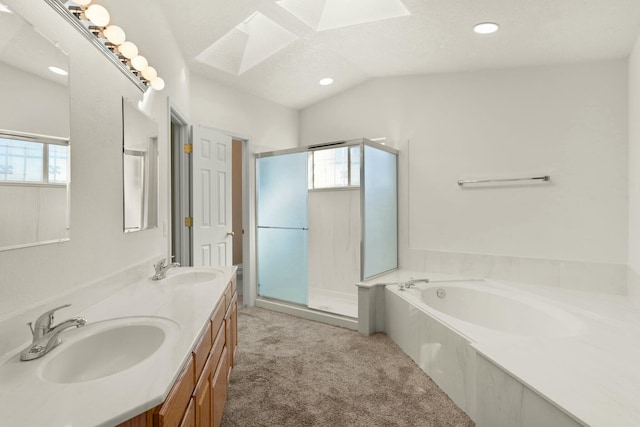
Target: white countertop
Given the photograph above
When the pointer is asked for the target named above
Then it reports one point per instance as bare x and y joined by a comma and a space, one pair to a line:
26, 399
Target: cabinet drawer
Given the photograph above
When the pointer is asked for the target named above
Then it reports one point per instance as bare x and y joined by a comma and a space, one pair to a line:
233, 284
231, 330
172, 410
217, 318
218, 345
228, 293
201, 351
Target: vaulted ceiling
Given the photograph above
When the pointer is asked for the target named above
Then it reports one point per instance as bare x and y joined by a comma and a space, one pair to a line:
280, 49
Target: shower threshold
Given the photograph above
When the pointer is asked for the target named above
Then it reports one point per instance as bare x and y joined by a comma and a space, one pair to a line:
307, 313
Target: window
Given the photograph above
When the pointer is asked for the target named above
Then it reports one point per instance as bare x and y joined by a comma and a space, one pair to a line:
33, 159
335, 167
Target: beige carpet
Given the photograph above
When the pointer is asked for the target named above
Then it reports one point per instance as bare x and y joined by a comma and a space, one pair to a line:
295, 372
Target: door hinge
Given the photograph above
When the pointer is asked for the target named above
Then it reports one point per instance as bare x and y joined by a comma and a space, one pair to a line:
188, 221
188, 148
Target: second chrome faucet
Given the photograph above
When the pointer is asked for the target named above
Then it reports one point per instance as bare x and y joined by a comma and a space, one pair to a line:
161, 268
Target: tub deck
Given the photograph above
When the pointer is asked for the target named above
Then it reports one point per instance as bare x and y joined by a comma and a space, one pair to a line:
594, 377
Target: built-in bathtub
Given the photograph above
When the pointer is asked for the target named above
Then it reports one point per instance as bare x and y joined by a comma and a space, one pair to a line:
470, 305
508, 356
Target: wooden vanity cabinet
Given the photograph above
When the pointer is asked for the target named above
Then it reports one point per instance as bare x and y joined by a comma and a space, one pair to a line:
231, 321
189, 419
219, 388
172, 411
203, 395
200, 392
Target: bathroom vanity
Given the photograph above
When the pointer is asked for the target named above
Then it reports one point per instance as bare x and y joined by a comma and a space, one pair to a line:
198, 396
152, 353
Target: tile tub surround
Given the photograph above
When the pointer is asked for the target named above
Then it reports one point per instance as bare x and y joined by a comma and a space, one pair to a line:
591, 378
587, 276
27, 400
371, 311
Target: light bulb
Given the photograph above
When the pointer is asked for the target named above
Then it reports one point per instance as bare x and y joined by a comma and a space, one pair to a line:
326, 81
98, 15
82, 2
139, 62
149, 73
128, 50
114, 34
157, 83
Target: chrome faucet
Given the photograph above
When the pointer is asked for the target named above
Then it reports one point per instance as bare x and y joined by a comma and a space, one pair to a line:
161, 268
411, 283
46, 336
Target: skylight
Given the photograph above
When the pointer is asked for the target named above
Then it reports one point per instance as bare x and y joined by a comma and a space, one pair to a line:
329, 14
248, 44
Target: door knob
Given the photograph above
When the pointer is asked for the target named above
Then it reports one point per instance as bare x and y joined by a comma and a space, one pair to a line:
230, 233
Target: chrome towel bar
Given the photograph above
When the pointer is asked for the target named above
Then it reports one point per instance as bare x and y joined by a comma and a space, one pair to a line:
462, 182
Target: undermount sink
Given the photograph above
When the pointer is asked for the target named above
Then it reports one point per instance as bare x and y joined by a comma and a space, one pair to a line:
188, 276
106, 348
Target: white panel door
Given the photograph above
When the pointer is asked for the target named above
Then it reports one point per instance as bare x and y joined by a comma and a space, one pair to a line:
212, 241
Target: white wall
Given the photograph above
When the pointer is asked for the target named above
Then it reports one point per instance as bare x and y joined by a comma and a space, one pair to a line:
634, 171
26, 96
334, 240
32, 213
568, 121
98, 246
269, 126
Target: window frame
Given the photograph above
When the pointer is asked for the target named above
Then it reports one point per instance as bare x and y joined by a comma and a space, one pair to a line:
46, 141
311, 180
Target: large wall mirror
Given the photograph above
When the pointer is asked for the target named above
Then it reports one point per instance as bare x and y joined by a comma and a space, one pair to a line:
34, 136
140, 168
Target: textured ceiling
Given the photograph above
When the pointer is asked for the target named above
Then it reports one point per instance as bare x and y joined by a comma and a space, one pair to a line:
22, 47
436, 37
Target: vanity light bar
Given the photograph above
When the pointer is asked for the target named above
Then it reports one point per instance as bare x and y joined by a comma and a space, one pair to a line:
92, 20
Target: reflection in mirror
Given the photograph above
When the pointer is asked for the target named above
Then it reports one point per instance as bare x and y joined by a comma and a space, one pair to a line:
140, 169
34, 136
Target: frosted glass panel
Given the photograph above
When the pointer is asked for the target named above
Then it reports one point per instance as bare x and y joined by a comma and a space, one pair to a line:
380, 212
282, 227
282, 191
282, 264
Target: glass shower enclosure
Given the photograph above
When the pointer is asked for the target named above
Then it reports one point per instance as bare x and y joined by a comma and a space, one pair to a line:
361, 174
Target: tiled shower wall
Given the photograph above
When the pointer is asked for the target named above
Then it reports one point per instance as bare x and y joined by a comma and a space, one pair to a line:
585, 276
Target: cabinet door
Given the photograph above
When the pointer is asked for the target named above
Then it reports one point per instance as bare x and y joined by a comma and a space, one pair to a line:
229, 339
234, 330
219, 386
202, 395
172, 411
189, 419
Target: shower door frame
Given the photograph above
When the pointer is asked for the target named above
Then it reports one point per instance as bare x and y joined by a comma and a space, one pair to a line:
361, 142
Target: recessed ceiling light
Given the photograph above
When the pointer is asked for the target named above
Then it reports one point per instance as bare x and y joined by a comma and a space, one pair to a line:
58, 71
4, 8
486, 28
326, 81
